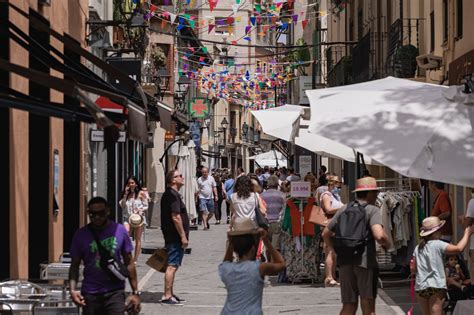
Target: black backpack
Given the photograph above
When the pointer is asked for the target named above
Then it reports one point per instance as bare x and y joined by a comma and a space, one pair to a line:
351, 231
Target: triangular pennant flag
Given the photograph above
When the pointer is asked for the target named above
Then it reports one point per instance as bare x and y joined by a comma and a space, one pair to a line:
234, 42
163, 24
258, 8
274, 19
253, 19
259, 19
189, 2
212, 4
204, 49
192, 23
172, 18
247, 29
247, 38
304, 23
153, 8
295, 18
237, 1
265, 28
235, 8
210, 27
230, 20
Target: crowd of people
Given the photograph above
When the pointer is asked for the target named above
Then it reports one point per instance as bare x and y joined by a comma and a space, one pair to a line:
255, 203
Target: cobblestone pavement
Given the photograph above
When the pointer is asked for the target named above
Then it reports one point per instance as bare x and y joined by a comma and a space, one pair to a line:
198, 282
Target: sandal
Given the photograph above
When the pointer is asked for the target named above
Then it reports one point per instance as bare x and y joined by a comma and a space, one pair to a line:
330, 283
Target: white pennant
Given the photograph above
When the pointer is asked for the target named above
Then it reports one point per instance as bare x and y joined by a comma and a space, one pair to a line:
235, 8
172, 18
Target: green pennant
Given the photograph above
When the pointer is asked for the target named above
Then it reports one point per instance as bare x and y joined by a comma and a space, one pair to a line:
187, 16
192, 23
237, 1
204, 49
230, 63
258, 8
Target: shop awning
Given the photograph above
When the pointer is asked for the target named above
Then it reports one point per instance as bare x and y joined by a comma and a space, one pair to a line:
411, 127
286, 123
140, 106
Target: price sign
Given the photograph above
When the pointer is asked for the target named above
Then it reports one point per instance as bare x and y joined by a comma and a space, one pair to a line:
301, 189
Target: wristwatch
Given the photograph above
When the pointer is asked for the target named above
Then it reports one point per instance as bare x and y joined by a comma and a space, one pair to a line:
136, 292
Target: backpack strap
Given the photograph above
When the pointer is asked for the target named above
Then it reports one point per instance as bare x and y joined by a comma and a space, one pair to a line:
103, 252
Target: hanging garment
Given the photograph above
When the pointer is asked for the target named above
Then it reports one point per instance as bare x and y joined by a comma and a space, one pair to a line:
308, 227
295, 267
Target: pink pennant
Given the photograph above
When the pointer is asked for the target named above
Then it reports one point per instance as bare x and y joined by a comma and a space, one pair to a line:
212, 4
304, 23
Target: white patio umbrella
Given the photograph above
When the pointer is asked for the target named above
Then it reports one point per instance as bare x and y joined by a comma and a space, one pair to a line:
285, 122
408, 126
270, 159
187, 167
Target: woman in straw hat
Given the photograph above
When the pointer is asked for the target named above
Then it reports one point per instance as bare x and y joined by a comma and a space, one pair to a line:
243, 278
428, 264
134, 200
330, 202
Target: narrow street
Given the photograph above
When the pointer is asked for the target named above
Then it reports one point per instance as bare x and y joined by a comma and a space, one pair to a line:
198, 282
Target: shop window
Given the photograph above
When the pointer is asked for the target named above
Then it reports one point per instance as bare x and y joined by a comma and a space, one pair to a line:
432, 31
459, 21
445, 20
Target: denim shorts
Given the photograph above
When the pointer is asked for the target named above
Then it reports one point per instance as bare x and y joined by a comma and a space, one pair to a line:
175, 254
206, 205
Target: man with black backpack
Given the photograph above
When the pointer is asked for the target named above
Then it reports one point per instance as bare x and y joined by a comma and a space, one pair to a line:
352, 233
106, 250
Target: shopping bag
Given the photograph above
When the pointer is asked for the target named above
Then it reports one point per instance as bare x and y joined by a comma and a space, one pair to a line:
159, 260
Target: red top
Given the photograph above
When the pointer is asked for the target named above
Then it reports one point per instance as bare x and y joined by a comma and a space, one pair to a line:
441, 205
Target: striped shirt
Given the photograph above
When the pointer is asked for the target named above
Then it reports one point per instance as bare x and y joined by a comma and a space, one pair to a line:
275, 201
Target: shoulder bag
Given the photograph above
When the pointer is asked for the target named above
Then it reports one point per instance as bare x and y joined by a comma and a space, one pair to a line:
260, 218
114, 267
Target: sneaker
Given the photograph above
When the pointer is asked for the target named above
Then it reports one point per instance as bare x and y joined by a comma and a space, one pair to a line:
171, 301
218, 222
178, 299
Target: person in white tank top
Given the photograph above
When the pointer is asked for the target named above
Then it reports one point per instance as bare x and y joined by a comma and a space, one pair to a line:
330, 202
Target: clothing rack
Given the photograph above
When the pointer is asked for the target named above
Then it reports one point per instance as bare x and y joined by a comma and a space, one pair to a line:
302, 275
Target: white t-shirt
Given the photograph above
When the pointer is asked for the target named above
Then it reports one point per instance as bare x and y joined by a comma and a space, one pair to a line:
470, 214
205, 186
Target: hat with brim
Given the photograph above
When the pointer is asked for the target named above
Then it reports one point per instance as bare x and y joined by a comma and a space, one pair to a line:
135, 220
431, 225
366, 184
243, 226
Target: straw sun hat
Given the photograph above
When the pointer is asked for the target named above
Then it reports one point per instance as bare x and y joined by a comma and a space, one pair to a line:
366, 184
135, 220
243, 226
431, 225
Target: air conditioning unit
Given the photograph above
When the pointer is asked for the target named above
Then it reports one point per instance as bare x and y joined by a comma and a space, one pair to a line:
429, 61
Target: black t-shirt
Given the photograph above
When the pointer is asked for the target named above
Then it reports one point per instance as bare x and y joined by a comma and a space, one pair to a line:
171, 201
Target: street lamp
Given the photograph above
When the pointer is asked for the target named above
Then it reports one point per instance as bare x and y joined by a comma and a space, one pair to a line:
162, 82
245, 130
180, 94
224, 125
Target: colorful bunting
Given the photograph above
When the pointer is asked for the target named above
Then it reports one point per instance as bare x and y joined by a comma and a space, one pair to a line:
212, 4
304, 23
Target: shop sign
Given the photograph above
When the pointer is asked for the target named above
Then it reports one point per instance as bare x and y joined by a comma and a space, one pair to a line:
305, 164
98, 136
198, 107
306, 83
300, 189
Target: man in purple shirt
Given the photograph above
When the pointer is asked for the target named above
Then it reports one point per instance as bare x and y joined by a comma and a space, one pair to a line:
101, 292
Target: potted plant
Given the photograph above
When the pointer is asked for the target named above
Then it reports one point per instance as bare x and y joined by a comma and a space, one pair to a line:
158, 56
405, 61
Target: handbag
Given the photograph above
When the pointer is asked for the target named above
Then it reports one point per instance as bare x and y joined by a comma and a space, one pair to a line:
260, 218
318, 216
114, 267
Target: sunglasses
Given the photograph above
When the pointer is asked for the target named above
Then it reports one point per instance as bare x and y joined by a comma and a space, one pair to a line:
100, 214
